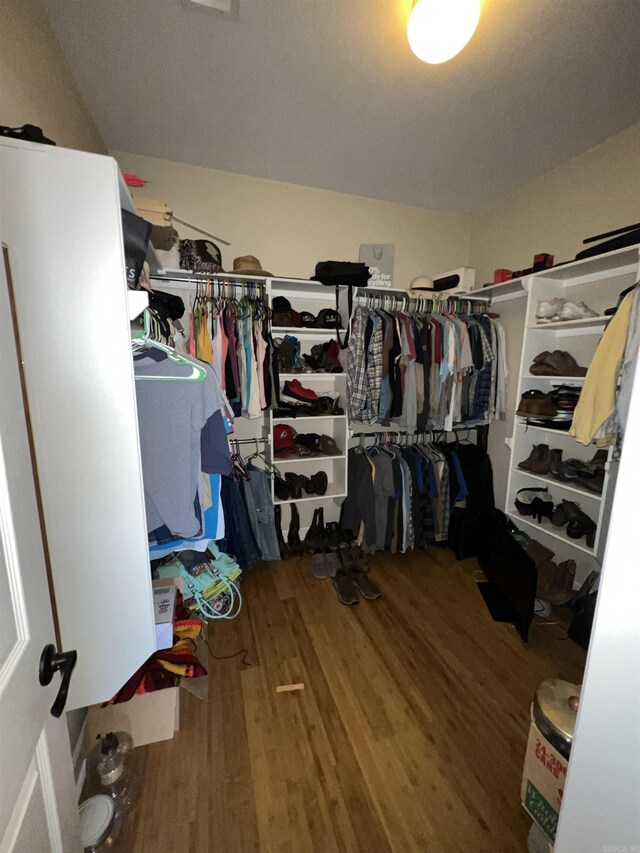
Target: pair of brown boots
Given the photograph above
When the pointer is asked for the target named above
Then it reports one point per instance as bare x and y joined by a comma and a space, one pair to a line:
542, 460
555, 580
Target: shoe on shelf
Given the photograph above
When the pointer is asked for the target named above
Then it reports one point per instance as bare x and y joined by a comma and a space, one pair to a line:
294, 389
575, 311
281, 488
564, 512
536, 404
536, 503
582, 525
296, 483
317, 484
539, 462
599, 461
534, 457
548, 309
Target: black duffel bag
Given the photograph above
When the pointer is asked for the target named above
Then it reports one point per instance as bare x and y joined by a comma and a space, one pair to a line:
339, 274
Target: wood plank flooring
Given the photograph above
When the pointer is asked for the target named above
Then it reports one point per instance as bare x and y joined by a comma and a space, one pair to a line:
408, 736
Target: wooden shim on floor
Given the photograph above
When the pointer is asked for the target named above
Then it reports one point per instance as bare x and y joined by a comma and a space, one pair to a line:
287, 688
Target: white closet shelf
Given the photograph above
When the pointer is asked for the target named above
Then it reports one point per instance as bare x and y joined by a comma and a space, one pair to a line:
310, 418
554, 532
583, 323
303, 332
558, 484
296, 460
328, 496
303, 377
526, 426
503, 292
608, 265
555, 378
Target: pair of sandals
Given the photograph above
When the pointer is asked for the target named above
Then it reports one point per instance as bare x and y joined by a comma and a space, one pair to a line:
292, 486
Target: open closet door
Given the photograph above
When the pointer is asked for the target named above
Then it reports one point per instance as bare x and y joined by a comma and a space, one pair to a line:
60, 214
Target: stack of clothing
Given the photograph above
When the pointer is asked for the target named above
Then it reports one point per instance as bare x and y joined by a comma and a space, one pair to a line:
425, 371
183, 425
400, 498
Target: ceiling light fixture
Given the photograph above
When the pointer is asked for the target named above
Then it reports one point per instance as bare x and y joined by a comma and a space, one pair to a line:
437, 30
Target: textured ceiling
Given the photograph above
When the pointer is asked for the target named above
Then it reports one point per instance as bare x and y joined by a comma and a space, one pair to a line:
327, 93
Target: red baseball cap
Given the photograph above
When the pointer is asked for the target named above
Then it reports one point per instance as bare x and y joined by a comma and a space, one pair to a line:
284, 440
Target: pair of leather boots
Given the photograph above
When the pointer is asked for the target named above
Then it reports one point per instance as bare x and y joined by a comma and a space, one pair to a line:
293, 546
589, 475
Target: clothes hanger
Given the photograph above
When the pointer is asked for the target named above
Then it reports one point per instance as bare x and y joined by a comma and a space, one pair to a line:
144, 341
260, 454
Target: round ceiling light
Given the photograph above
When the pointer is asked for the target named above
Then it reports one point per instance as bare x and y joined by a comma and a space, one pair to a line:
438, 29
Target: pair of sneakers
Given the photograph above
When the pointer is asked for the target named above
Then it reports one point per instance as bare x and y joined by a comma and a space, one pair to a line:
558, 310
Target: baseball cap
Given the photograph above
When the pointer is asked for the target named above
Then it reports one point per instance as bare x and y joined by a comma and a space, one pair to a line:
284, 440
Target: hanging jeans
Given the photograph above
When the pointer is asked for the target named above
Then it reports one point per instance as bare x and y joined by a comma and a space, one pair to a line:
239, 539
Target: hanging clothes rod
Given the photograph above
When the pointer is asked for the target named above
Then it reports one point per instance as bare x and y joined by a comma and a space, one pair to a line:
249, 440
454, 304
393, 432
188, 280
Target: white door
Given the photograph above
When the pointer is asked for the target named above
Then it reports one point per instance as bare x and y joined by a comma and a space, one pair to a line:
38, 811
60, 214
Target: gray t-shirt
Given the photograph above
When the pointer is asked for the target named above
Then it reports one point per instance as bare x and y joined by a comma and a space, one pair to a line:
171, 416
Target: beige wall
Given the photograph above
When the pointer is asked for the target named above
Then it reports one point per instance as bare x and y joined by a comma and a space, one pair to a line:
291, 227
595, 192
36, 86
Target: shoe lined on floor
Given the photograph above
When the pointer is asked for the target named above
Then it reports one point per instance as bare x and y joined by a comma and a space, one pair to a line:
293, 536
364, 585
345, 587
285, 551
314, 539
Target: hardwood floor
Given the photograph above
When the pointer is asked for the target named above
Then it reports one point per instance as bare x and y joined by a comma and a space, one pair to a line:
409, 734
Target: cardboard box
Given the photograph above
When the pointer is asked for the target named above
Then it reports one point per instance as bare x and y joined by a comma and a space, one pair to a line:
148, 717
543, 780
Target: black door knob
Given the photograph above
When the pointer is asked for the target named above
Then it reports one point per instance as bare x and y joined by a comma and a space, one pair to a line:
52, 662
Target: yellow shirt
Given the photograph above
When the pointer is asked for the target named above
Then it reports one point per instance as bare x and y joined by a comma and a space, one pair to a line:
598, 398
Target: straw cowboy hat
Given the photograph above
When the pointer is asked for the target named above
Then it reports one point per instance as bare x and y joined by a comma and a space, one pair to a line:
249, 265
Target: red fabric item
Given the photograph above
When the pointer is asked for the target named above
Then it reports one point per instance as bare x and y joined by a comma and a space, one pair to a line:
284, 440
134, 181
299, 390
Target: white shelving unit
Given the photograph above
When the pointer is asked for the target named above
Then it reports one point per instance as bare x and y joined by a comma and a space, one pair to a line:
305, 295
598, 282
